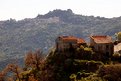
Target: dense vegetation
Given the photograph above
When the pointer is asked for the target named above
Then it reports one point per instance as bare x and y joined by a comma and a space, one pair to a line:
18, 37
73, 64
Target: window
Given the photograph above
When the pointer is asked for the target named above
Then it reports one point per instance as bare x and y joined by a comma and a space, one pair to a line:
107, 54
107, 46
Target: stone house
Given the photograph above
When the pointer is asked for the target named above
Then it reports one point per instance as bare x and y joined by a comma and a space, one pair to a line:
102, 44
64, 42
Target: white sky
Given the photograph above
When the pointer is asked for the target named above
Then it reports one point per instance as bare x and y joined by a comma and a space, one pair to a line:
20, 9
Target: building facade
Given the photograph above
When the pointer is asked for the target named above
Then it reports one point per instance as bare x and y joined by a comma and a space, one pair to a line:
65, 42
102, 44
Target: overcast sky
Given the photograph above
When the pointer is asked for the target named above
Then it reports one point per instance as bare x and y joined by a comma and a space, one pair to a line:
20, 9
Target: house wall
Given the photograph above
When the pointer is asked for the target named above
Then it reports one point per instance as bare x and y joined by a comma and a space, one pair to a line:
63, 45
59, 45
104, 48
92, 43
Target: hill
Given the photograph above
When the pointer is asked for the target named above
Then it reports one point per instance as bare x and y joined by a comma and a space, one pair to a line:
18, 37
72, 64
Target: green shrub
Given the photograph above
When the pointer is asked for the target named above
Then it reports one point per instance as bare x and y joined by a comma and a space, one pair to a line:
72, 77
88, 66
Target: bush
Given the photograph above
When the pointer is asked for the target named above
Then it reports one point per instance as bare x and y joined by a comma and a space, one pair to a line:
72, 77
88, 66
110, 72
116, 57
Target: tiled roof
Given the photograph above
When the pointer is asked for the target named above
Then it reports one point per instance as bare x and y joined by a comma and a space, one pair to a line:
72, 38
102, 39
68, 38
81, 40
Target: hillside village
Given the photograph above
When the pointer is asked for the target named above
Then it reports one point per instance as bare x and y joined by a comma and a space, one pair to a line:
17, 37
73, 59
99, 43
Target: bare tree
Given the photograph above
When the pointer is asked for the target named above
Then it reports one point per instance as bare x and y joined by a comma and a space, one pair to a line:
34, 60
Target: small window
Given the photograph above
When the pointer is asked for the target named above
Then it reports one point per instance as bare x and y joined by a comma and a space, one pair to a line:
107, 46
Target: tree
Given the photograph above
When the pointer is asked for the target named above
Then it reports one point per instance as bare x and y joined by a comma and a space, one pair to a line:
34, 60
118, 36
31, 72
16, 70
11, 68
110, 72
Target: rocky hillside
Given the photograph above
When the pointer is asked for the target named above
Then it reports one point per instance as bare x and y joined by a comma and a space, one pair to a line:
18, 37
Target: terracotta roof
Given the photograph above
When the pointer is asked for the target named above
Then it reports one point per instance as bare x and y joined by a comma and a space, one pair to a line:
72, 38
68, 38
80, 40
102, 39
